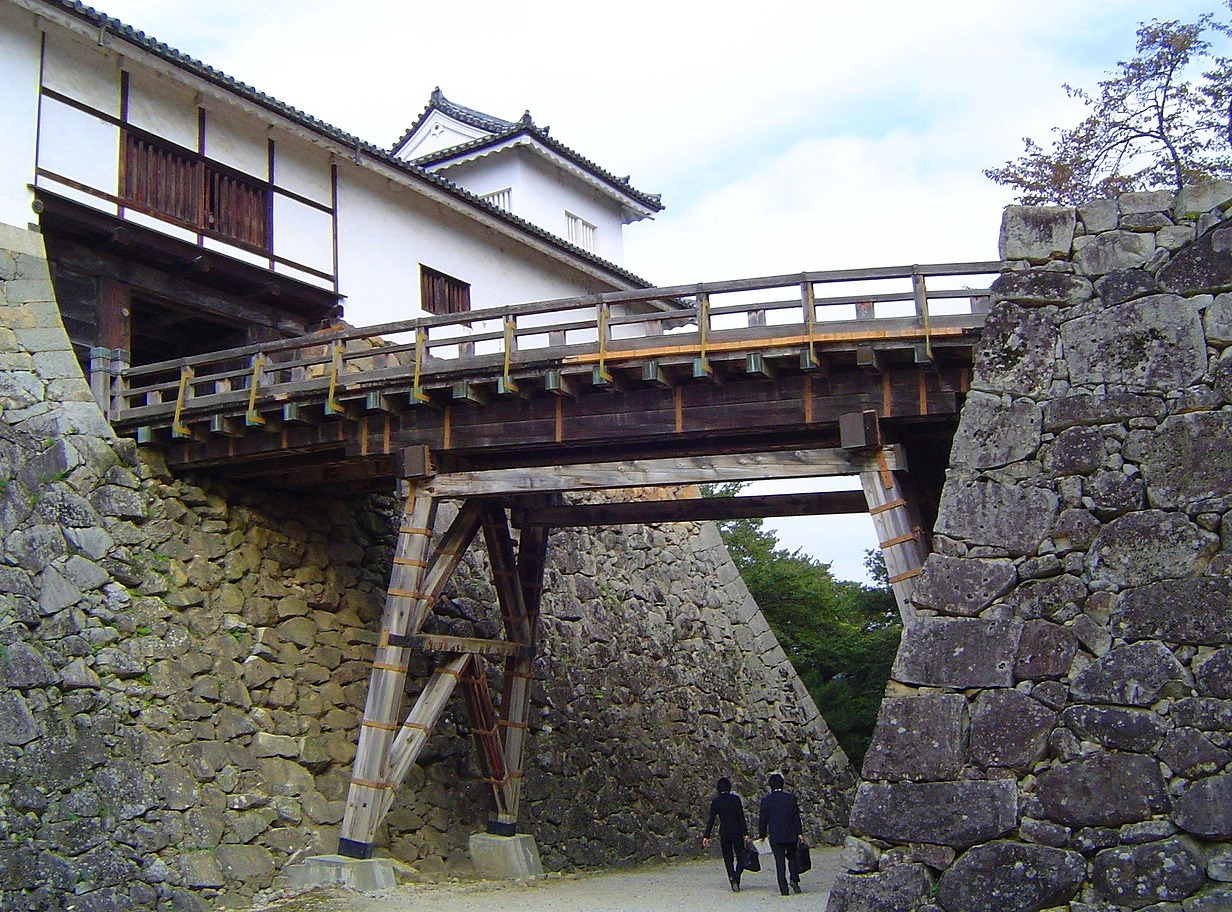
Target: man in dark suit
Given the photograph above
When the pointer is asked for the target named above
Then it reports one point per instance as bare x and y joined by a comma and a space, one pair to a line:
733, 830
780, 820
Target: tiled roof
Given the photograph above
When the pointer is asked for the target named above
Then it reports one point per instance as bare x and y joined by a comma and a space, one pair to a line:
191, 65
502, 131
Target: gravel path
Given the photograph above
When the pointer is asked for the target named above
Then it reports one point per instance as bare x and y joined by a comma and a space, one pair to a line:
692, 886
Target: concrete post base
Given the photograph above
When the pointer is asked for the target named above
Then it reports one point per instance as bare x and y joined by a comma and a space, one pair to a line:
505, 857
368, 875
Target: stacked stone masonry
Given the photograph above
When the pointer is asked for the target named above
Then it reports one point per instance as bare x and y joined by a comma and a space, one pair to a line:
1056, 732
183, 667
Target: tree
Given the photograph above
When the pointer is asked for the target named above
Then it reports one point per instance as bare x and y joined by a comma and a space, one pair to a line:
1155, 122
841, 636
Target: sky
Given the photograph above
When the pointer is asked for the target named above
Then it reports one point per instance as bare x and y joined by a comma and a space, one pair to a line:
783, 136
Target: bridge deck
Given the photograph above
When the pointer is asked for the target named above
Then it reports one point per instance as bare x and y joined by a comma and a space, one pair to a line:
723, 367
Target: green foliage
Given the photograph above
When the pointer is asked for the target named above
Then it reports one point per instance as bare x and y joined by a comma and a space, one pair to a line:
841, 636
1159, 120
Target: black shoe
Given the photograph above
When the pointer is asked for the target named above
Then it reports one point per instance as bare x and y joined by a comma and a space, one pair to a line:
784, 892
795, 888
735, 886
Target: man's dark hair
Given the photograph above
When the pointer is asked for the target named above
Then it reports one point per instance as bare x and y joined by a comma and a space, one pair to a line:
724, 784
776, 781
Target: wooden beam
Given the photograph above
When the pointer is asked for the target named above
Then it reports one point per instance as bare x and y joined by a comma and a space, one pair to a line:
701, 509
659, 472
466, 645
366, 802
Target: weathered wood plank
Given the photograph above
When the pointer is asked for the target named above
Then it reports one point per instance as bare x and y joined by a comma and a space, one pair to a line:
700, 509
659, 472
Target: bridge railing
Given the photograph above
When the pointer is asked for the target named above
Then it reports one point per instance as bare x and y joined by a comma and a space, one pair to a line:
592, 332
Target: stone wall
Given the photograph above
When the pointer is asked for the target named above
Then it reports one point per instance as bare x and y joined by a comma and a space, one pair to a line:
183, 665
1056, 731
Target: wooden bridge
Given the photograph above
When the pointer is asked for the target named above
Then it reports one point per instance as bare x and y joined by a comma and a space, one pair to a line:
855, 372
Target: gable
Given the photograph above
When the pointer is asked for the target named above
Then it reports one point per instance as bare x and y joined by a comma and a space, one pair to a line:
435, 132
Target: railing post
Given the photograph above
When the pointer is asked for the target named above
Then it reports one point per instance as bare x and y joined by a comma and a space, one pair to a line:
808, 302
920, 293
121, 360
100, 378
701, 364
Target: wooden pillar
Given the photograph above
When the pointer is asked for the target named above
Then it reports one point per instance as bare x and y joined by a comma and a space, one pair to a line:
900, 538
369, 777
381, 761
520, 670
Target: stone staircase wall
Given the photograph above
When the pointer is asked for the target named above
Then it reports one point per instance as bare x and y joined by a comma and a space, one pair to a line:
183, 666
1056, 730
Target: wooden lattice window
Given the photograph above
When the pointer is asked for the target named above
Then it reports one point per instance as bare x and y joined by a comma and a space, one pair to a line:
443, 294
179, 184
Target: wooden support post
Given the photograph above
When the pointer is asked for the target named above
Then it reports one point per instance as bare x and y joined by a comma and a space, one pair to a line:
901, 540
413, 734
518, 629
365, 802
520, 670
486, 735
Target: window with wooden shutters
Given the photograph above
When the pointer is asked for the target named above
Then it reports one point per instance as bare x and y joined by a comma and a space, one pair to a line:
442, 294
179, 184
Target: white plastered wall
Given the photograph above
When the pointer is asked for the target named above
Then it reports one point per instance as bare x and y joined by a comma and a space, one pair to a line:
19, 50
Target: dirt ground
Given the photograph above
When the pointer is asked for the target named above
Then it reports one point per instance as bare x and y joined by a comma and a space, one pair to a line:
691, 886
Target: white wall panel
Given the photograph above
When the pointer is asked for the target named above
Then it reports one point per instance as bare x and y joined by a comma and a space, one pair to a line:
303, 169
83, 72
243, 146
79, 146
19, 51
163, 108
303, 234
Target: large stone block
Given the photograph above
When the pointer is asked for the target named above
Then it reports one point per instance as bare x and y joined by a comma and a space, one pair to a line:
1113, 251
1115, 727
1142, 875
898, 888
1203, 713
1205, 809
1186, 459
1045, 650
1153, 343
1203, 266
956, 814
1190, 753
505, 857
1037, 233
1133, 675
965, 586
999, 515
1017, 351
1213, 674
1011, 877
1114, 408
917, 738
1196, 611
1056, 596
1037, 286
1103, 790
1148, 546
1009, 729
995, 433
1198, 199
958, 653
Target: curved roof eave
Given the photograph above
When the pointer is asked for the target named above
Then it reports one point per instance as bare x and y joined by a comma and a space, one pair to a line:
617, 185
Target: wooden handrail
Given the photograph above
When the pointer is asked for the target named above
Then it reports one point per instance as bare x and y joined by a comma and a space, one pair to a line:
506, 337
